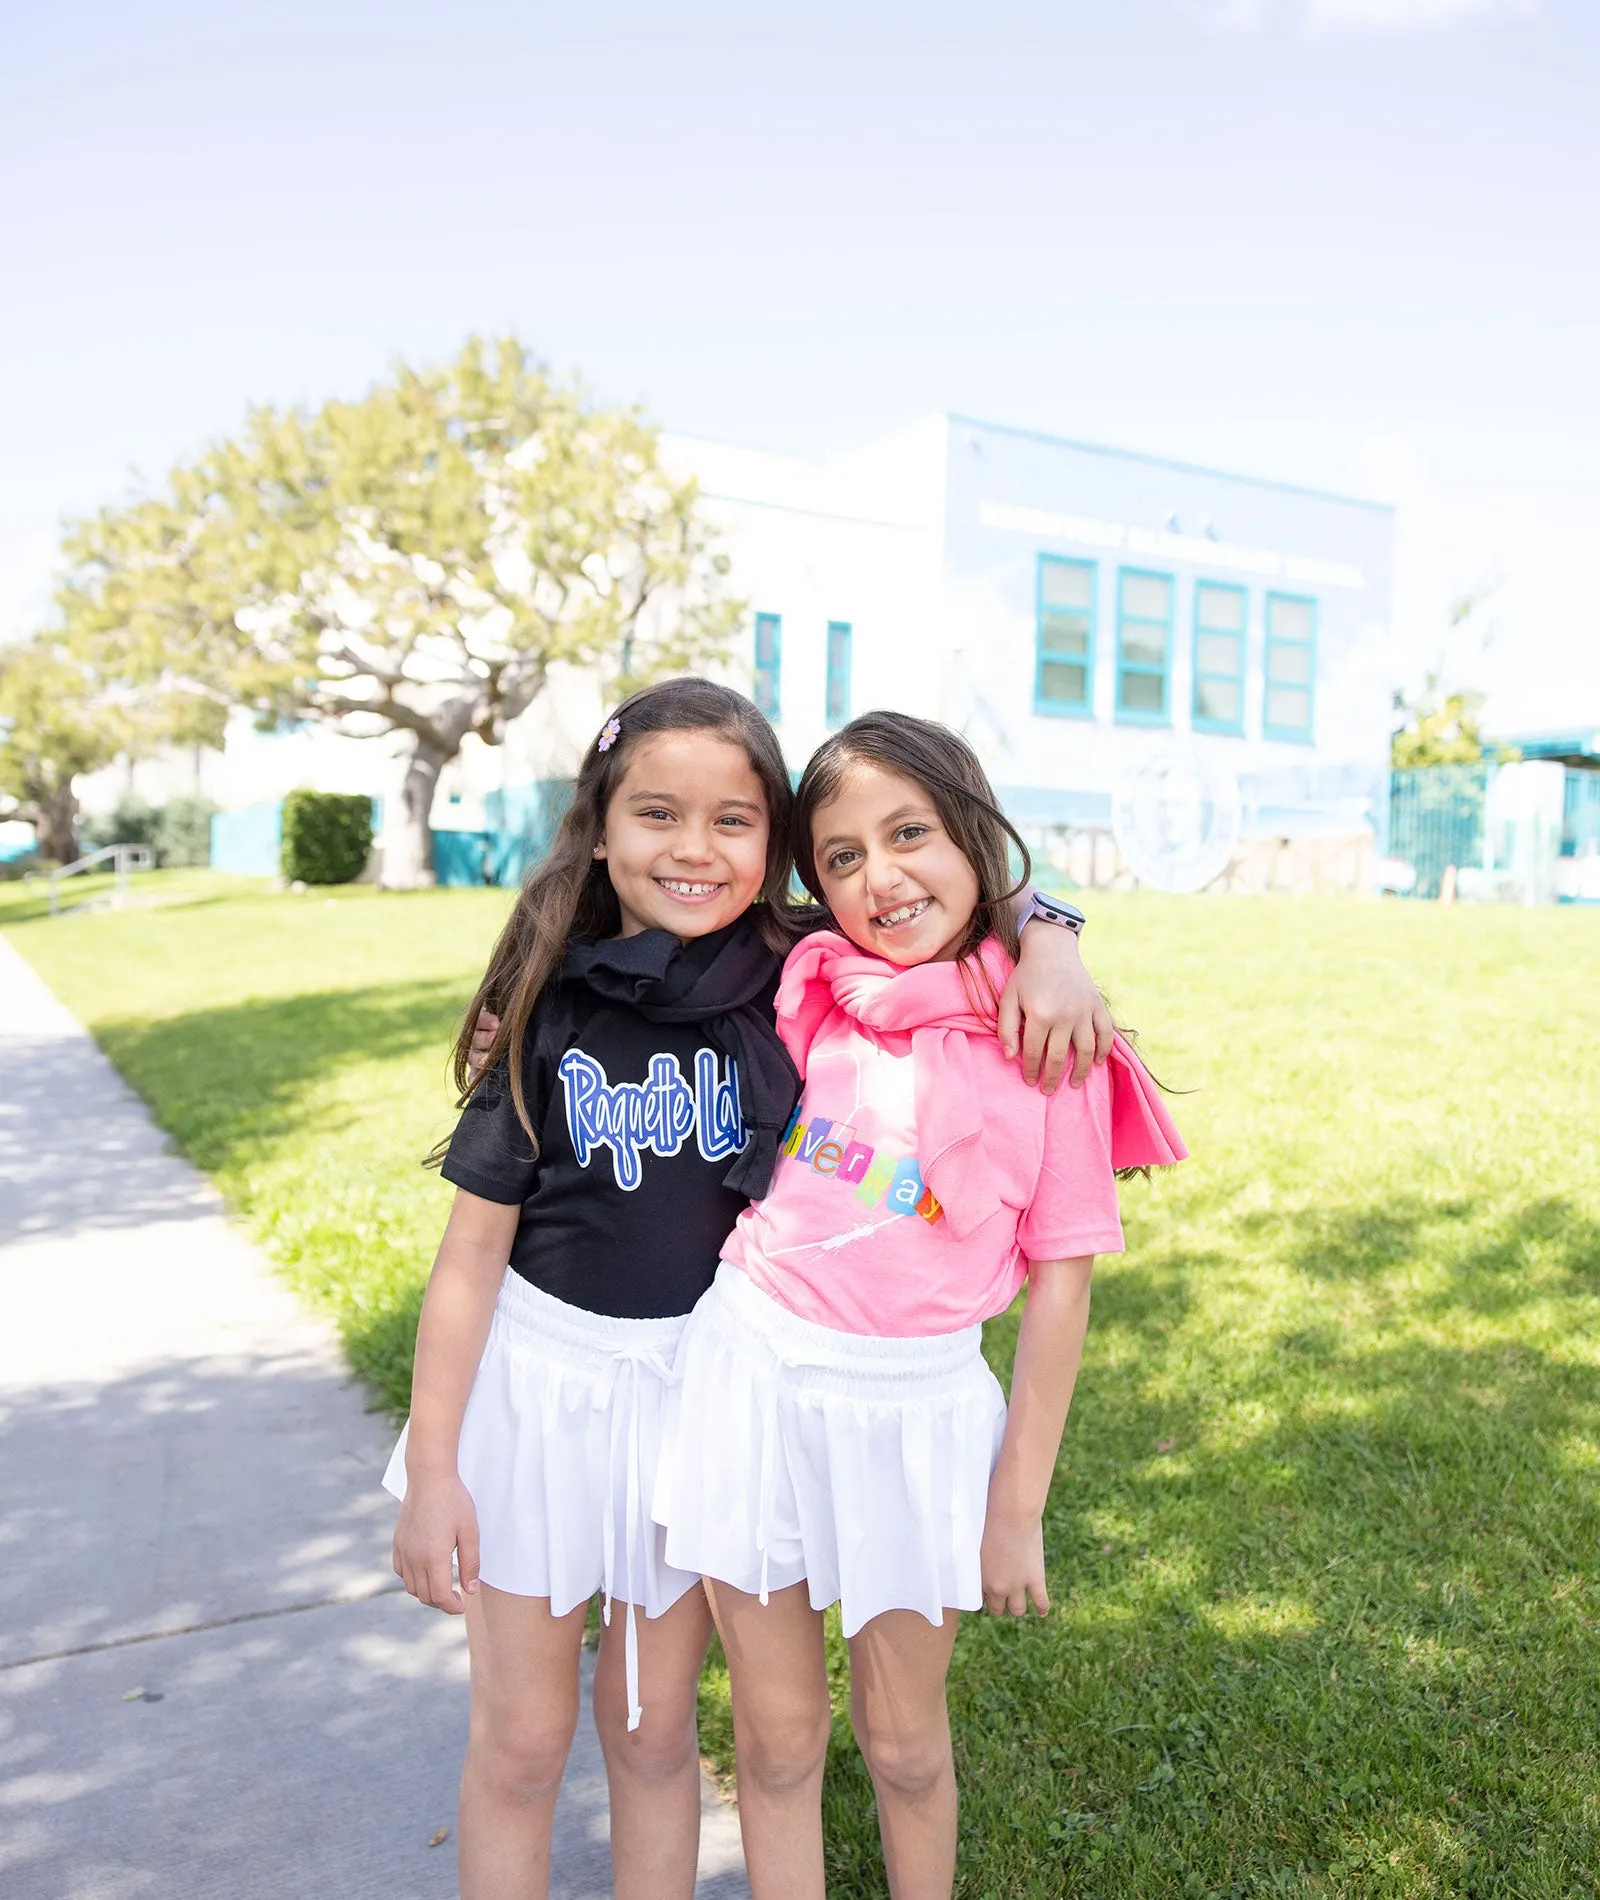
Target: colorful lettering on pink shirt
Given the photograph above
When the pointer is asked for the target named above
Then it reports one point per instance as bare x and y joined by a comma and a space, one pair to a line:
831, 1150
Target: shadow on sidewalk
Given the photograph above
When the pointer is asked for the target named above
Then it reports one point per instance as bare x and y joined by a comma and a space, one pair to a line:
307, 1736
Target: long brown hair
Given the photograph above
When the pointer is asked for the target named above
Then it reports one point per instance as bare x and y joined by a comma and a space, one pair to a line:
568, 892
947, 769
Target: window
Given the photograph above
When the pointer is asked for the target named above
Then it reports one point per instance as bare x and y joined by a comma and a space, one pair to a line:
769, 658
1144, 644
1291, 667
838, 697
1219, 630
1063, 680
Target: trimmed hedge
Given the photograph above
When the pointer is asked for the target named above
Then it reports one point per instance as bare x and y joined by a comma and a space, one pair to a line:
327, 837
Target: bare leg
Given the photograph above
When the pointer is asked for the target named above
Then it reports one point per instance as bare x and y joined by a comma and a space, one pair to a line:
524, 1710
781, 1721
654, 1773
898, 1665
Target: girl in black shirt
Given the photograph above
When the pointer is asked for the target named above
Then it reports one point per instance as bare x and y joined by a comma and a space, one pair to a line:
631, 1101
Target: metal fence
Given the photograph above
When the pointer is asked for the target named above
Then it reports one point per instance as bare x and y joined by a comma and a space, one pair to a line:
1436, 819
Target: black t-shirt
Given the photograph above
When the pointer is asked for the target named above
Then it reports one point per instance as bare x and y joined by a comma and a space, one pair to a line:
624, 1212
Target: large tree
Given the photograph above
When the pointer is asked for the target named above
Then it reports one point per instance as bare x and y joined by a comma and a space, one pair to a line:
60, 717
418, 561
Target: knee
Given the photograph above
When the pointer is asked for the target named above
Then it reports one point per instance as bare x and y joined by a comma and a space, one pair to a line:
522, 1753
661, 1748
783, 1751
908, 1763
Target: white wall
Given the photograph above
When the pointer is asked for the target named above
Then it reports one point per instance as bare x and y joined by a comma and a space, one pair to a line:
856, 541
1014, 496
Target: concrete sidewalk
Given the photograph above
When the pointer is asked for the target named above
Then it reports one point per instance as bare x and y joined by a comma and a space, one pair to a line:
209, 1685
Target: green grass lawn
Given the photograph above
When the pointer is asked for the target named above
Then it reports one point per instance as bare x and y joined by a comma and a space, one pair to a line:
1323, 1539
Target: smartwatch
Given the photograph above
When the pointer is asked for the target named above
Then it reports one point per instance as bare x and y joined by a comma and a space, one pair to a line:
1055, 910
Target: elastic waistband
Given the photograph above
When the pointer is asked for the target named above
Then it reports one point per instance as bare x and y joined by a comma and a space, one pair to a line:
736, 1300
529, 1319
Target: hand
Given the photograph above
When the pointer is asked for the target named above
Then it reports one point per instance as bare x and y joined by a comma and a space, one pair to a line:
1012, 1561
1053, 1010
485, 1033
436, 1519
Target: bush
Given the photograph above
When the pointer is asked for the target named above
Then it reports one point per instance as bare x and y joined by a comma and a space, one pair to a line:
132, 821
179, 832
327, 836
183, 837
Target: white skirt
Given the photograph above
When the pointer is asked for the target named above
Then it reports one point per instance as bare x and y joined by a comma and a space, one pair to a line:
559, 1445
861, 1465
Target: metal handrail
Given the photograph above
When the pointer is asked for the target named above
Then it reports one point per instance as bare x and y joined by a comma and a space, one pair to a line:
126, 858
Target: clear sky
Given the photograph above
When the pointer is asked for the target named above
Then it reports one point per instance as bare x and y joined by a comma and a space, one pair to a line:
1354, 243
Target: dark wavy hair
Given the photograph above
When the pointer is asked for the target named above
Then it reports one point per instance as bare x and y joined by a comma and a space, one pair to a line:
568, 892
947, 769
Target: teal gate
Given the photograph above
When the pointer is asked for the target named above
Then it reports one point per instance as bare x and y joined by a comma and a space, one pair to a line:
1436, 819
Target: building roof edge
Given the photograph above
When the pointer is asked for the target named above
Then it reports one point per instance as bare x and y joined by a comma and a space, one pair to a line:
1167, 461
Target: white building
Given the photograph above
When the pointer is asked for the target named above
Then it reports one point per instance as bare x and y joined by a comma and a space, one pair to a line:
1075, 611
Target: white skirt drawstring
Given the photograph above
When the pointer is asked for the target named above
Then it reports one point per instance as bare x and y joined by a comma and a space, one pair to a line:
632, 1366
559, 1446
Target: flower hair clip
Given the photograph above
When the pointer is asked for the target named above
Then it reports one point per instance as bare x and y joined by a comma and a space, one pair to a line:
610, 733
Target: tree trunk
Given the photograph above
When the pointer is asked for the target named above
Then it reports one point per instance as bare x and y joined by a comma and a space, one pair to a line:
407, 841
55, 820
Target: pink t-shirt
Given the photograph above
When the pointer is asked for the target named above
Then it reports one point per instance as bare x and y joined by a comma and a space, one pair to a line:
851, 1236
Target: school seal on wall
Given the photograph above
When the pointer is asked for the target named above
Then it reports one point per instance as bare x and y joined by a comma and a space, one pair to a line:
1176, 818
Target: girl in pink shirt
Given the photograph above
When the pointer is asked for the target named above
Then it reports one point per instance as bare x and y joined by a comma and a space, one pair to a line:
835, 1435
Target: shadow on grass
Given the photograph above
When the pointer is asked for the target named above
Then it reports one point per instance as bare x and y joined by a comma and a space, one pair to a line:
32, 905
225, 1081
1325, 1620
27, 904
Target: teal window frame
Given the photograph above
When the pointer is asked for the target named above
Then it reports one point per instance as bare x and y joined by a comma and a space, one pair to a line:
1203, 722
768, 680
1043, 702
836, 693
1273, 643
1142, 715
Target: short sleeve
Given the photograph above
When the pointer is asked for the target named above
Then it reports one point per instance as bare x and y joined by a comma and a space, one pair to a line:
1074, 1208
490, 1154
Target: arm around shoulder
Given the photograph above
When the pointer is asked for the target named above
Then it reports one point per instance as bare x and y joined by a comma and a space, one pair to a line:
1052, 1010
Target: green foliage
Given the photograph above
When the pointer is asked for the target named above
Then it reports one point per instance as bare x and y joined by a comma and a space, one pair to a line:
52, 723
183, 837
1321, 1541
179, 832
417, 560
1439, 731
132, 820
62, 713
327, 836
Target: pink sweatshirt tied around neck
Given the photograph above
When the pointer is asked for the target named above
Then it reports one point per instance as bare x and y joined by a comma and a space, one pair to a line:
1006, 1168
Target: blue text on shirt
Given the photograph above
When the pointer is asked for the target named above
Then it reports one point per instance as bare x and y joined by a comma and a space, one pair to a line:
656, 1115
